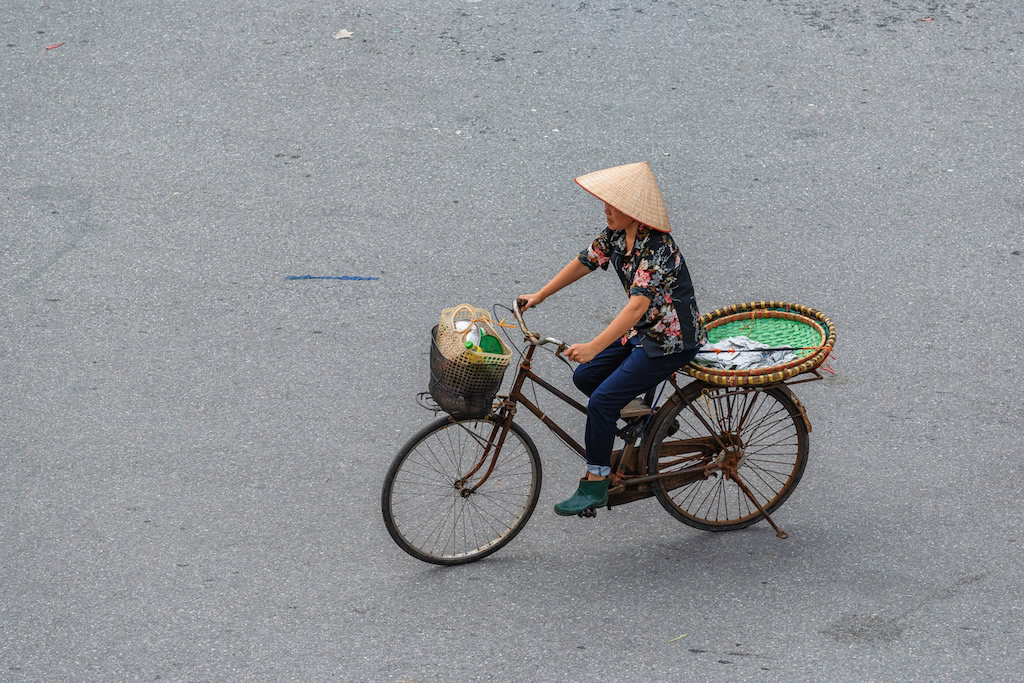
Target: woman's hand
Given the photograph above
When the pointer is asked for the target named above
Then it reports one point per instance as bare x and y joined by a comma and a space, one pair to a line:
527, 301
582, 353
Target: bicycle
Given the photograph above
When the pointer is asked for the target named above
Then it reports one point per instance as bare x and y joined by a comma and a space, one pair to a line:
717, 458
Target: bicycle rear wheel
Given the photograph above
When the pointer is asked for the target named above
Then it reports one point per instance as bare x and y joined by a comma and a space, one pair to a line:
448, 499
760, 433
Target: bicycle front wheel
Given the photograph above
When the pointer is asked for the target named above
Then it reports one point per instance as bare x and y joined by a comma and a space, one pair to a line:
759, 434
449, 498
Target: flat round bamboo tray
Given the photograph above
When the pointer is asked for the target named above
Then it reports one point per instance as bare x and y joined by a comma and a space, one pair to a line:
773, 323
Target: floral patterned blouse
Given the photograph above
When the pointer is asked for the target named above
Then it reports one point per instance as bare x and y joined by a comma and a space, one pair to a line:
654, 269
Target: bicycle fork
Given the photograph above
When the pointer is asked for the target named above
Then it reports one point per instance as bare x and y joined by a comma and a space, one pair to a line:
501, 431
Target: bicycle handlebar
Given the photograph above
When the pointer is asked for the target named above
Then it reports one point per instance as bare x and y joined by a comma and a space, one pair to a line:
534, 338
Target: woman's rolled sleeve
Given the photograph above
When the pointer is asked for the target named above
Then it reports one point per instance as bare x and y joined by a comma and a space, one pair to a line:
598, 254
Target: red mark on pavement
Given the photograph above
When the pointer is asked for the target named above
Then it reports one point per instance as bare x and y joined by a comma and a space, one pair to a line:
53, 47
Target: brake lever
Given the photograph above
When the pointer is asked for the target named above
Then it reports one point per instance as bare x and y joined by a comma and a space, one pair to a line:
562, 348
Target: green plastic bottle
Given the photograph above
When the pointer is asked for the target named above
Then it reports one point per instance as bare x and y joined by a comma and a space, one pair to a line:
490, 344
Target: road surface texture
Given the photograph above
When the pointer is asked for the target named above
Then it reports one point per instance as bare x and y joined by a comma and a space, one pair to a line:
193, 445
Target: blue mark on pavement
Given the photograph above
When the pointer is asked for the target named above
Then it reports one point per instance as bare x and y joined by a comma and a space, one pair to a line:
329, 277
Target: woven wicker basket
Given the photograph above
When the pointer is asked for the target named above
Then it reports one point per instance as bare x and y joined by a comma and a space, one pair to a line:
774, 323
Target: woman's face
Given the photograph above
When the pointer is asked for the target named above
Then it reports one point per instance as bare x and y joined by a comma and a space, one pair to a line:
616, 219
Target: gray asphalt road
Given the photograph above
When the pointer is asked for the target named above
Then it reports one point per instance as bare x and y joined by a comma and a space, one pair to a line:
193, 445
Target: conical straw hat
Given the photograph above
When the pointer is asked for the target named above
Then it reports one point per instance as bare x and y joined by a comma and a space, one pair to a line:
632, 190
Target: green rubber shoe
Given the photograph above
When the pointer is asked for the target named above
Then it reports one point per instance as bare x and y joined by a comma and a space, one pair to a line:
589, 495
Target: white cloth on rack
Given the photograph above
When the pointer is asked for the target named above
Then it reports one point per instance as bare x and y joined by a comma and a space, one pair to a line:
740, 353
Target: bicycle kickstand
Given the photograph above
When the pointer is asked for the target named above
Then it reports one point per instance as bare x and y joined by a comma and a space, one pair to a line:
778, 532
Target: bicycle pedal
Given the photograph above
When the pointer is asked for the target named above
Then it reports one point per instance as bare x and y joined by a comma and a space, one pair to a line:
589, 512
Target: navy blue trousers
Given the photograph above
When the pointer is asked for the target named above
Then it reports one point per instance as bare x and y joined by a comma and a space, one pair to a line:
612, 379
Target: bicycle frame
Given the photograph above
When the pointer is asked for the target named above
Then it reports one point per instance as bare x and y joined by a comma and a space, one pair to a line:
627, 484
629, 479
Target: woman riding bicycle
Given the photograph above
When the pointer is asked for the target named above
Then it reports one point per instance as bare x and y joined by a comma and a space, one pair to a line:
658, 330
